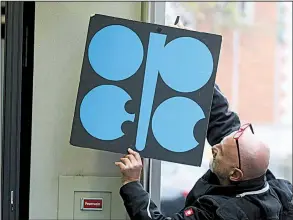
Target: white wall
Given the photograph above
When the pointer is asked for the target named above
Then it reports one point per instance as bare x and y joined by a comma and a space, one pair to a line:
60, 35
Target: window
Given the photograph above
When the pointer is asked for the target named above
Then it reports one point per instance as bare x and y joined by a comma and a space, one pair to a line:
246, 12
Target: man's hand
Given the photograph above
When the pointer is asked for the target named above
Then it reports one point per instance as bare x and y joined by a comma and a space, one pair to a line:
181, 26
130, 167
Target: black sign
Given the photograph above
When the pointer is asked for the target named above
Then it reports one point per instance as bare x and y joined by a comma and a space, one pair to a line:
145, 86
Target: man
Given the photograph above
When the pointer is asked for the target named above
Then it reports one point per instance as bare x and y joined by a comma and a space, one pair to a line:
229, 190
237, 186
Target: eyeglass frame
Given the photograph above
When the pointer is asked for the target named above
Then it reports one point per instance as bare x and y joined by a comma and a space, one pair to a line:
239, 133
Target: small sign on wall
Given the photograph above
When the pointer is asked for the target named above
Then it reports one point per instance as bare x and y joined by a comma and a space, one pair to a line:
91, 204
147, 87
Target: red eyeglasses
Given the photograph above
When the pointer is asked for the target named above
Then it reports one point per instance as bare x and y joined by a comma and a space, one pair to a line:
238, 134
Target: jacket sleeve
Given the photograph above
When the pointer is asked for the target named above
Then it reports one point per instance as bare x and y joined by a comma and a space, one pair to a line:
139, 206
222, 121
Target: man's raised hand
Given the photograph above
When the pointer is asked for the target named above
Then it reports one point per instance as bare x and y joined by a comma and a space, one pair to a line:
130, 167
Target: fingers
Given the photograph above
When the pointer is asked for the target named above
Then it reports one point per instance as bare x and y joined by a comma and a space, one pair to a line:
120, 165
176, 26
126, 161
135, 154
181, 27
131, 158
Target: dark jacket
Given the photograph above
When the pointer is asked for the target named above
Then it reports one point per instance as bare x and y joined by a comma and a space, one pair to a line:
264, 198
222, 121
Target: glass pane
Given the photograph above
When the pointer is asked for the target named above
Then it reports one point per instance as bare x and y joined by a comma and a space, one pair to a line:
254, 73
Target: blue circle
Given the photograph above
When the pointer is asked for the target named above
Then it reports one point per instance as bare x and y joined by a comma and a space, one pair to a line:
115, 52
173, 123
102, 112
187, 64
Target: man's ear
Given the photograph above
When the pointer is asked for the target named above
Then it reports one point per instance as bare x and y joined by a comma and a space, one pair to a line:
236, 175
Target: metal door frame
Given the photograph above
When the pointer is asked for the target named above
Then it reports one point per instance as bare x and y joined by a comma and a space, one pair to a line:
17, 109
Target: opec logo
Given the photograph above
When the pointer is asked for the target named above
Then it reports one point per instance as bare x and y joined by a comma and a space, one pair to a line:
185, 65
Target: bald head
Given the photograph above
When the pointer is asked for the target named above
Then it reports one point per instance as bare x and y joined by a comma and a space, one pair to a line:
254, 158
254, 155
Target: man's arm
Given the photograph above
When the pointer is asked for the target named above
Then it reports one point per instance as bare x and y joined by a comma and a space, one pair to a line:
137, 201
139, 206
222, 121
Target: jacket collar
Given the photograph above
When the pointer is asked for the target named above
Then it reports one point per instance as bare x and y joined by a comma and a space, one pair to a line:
210, 185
